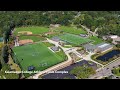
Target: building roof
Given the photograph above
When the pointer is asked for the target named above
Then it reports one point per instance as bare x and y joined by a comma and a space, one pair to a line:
89, 46
54, 48
104, 46
83, 35
57, 39
113, 36
101, 46
69, 68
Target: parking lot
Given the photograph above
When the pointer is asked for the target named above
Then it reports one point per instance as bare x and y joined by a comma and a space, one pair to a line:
68, 69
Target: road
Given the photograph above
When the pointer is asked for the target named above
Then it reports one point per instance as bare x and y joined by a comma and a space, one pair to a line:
106, 71
90, 32
88, 57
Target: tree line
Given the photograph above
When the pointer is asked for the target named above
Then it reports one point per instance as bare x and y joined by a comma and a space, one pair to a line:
106, 21
4, 50
24, 18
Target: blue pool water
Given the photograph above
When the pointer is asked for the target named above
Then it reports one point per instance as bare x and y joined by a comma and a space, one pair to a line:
108, 55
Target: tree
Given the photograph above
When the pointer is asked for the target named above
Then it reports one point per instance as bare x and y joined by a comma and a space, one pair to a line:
0, 66
5, 53
12, 25
82, 72
6, 34
118, 45
109, 40
8, 75
114, 71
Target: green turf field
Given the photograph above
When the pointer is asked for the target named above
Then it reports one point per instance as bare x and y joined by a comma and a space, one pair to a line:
48, 44
34, 38
33, 29
96, 40
72, 30
74, 39
37, 55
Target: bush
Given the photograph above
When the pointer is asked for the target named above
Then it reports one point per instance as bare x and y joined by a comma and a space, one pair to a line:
82, 72
114, 71
0, 66
8, 75
5, 54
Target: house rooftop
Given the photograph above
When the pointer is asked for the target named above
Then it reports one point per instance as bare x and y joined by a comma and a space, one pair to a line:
101, 46
55, 48
57, 39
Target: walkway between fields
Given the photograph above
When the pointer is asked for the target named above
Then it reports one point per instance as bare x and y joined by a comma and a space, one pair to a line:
88, 58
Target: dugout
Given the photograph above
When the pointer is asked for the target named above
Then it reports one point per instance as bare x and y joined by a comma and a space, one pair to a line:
30, 68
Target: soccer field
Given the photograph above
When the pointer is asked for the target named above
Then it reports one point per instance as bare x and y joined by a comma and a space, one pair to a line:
37, 55
74, 39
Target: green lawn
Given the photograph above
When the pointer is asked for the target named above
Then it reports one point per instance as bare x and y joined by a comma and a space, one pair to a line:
72, 30
62, 54
48, 44
33, 29
96, 40
37, 55
34, 38
74, 39
116, 71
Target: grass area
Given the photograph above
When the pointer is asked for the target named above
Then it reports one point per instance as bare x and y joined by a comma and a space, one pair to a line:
96, 40
82, 72
33, 29
72, 30
62, 54
74, 39
48, 44
4, 75
37, 55
13, 65
54, 34
116, 71
34, 38
1, 45
67, 46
